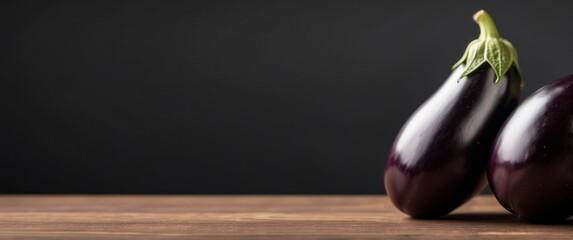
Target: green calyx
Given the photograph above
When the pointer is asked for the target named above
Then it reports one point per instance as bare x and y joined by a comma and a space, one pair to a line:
488, 48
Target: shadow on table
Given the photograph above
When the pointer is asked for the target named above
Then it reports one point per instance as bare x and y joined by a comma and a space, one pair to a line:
481, 217
494, 218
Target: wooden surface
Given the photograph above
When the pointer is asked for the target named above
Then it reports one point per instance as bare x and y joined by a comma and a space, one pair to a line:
259, 217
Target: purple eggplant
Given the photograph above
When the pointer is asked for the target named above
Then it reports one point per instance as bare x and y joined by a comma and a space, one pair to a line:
438, 160
531, 166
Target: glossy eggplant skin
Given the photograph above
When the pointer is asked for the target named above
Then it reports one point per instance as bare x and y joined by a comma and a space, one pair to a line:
531, 165
438, 160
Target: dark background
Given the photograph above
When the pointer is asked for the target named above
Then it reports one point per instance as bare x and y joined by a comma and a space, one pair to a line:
235, 96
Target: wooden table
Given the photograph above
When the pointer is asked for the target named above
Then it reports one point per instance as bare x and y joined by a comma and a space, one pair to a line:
251, 217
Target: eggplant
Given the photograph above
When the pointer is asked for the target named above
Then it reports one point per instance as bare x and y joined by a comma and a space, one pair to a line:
438, 160
531, 165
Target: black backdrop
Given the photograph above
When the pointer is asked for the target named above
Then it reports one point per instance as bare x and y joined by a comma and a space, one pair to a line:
235, 96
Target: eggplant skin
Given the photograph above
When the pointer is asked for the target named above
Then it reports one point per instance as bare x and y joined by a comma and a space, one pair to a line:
438, 160
531, 165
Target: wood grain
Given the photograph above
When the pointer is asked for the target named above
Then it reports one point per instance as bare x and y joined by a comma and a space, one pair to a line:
252, 217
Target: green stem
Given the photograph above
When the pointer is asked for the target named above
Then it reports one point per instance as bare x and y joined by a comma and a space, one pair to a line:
486, 25
488, 49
